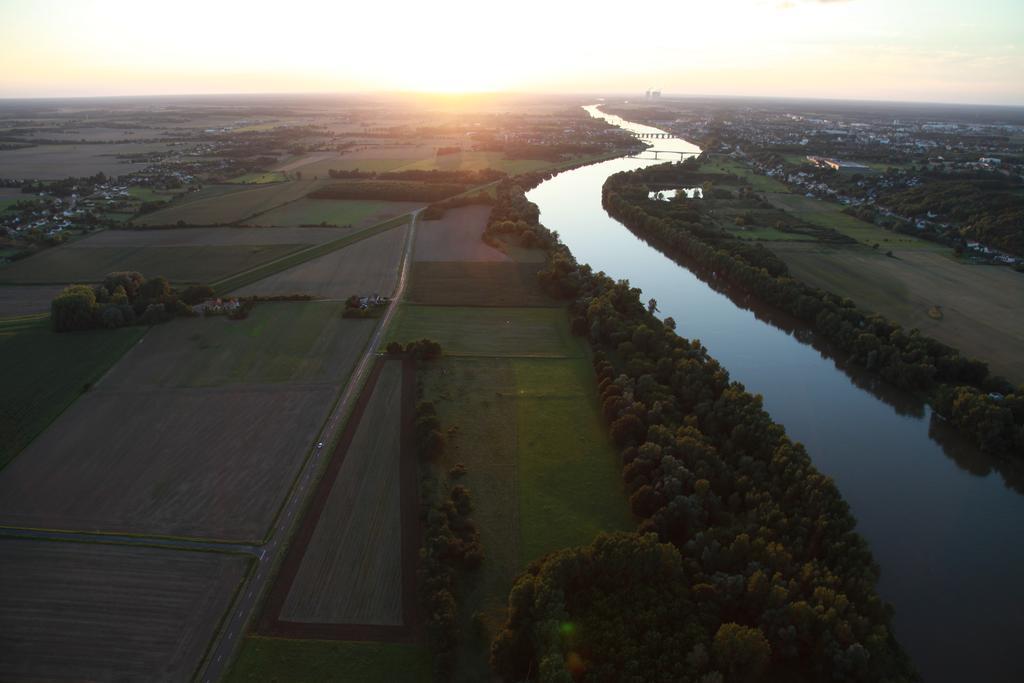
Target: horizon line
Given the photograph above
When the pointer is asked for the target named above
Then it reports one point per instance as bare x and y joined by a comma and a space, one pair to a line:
499, 93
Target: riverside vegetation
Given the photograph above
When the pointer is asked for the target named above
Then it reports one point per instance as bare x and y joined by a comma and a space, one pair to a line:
987, 409
745, 562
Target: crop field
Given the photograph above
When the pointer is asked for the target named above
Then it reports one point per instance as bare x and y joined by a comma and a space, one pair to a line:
982, 306
77, 611
467, 283
830, 215
25, 300
236, 204
334, 212
204, 237
329, 661
287, 342
44, 372
540, 467
471, 331
178, 264
351, 569
369, 266
52, 162
204, 417
456, 237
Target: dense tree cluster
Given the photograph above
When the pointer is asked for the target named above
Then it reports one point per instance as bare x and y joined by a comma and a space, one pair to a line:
988, 208
906, 359
123, 298
766, 542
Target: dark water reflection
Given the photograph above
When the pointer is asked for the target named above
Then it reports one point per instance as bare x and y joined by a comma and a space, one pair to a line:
943, 523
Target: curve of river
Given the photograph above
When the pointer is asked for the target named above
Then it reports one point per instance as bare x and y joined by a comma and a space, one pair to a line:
942, 524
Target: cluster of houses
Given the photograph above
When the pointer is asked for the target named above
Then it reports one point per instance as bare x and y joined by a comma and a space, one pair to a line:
217, 306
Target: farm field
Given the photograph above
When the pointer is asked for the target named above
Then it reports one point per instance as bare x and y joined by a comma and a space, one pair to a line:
351, 569
982, 306
204, 237
830, 215
473, 161
537, 485
457, 236
237, 204
467, 283
369, 266
77, 611
44, 372
204, 416
182, 264
329, 661
334, 212
52, 162
25, 300
298, 342
480, 331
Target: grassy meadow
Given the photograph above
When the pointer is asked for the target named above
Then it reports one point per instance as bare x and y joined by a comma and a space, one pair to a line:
328, 661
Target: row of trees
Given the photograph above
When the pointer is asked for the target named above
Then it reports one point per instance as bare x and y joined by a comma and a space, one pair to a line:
123, 298
907, 359
754, 566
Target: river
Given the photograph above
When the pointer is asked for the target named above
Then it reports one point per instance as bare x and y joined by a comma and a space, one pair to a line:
944, 526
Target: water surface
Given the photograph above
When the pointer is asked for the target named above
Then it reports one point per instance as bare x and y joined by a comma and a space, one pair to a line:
944, 527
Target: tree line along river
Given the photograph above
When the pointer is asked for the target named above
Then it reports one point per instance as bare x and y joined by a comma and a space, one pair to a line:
944, 526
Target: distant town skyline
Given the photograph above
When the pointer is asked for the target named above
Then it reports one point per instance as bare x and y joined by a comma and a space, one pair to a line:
916, 50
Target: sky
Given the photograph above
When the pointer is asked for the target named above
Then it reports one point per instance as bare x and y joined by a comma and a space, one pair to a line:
908, 50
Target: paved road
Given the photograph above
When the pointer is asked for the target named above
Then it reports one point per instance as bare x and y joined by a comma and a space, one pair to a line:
242, 611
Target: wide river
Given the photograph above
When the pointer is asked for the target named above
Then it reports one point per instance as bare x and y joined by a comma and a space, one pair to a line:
944, 526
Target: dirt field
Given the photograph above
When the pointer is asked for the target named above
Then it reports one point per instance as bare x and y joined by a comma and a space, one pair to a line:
88, 612
467, 283
456, 237
204, 237
197, 431
230, 206
351, 571
982, 306
52, 162
334, 212
366, 267
15, 300
177, 264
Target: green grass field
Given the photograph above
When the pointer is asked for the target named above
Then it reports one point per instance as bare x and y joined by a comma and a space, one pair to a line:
570, 486
333, 212
71, 263
830, 215
539, 465
43, 372
479, 331
322, 661
473, 161
229, 203
760, 183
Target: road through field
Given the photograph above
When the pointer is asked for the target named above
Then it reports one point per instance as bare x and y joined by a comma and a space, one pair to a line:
231, 634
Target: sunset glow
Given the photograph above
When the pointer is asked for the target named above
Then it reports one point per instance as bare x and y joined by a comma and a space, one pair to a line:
913, 50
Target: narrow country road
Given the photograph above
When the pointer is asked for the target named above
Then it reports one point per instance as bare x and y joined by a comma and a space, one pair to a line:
228, 640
